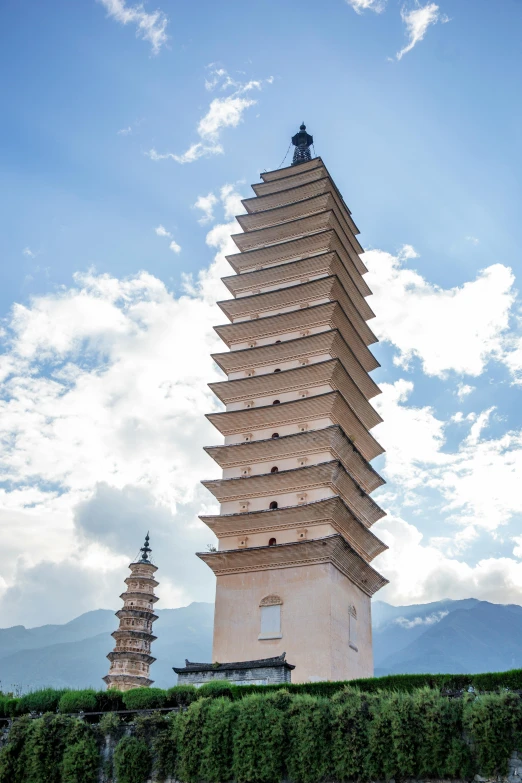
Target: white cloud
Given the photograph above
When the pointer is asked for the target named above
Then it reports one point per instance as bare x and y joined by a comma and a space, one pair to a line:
458, 329
431, 619
149, 26
419, 572
161, 231
206, 204
125, 131
477, 484
28, 252
463, 390
103, 391
417, 21
222, 113
367, 5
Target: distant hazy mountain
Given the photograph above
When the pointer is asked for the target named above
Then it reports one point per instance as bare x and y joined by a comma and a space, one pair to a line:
73, 655
445, 636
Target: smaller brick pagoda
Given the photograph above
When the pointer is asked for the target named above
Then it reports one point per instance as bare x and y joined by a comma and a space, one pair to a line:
131, 658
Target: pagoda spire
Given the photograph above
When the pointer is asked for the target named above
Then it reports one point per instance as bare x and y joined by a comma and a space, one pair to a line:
131, 658
302, 142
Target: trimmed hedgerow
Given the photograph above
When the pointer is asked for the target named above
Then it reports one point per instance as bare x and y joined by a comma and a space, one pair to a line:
259, 741
494, 724
76, 701
144, 698
45, 700
132, 760
183, 695
308, 726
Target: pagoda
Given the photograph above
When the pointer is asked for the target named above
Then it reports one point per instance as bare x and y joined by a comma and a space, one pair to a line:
131, 658
293, 564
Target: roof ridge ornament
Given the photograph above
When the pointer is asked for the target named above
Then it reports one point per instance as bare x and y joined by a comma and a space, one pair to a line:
145, 549
302, 142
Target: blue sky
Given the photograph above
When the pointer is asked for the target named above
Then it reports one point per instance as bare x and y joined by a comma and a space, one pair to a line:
106, 339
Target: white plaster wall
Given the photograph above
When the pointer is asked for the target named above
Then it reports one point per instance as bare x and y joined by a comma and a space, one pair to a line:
288, 365
278, 311
282, 429
289, 463
285, 336
316, 600
289, 396
282, 499
282, 536
284, 284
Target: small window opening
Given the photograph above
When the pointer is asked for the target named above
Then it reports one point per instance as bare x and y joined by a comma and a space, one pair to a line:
272, 506
277, 341
275, 434
276, 402
272, 542
275, 469
277, 370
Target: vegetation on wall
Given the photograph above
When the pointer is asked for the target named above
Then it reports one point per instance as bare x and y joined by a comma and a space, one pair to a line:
73, 701
273, 736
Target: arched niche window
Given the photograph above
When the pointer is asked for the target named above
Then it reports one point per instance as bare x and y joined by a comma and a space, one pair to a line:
352, 619
270, 608
278, 369
272, 506
276, 402
275, 469
277, 341
272, 542
275, 434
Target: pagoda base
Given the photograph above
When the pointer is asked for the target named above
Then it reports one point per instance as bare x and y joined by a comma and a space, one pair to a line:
265, 671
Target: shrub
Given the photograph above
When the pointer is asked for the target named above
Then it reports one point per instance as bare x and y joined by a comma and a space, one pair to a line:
494, 723
181, 695
259, 740
350, 720
308, 728
109, 724
109, 701
218, 688
45, 700
75, 701
218, 741
132, 760
14, 756
81, 762
144, 698
48, 739
190, 735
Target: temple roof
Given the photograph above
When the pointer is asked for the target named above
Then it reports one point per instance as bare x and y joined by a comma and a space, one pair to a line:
310, 224
332, 511
328, 373
324, 241
302, 293
332, 321
331, 439
327, 474
260, 663
322, 265
331, 405
334, 550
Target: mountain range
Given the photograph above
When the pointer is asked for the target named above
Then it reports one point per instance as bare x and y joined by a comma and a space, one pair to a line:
446, 636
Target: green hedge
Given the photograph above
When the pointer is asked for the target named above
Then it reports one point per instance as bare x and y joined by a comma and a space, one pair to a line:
276, 736
67, 701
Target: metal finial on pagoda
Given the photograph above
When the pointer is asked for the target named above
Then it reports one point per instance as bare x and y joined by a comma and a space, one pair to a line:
145, 550
302, 142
